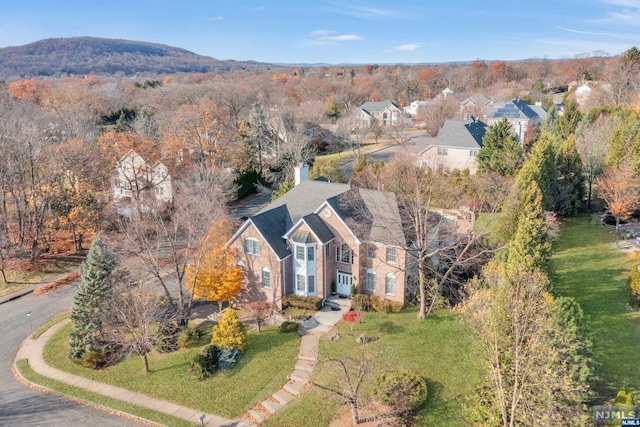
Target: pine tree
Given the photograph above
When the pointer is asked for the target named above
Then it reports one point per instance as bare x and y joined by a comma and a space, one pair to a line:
568, 122
89, 304
500, 152
541, 167
550, 121
228, 333
571, 188
530, 248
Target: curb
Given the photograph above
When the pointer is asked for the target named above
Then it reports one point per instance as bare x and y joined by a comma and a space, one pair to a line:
17, 294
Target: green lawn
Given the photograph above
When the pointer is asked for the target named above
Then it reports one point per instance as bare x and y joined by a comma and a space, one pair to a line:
588, 269
261, 371
440, 348
97, 399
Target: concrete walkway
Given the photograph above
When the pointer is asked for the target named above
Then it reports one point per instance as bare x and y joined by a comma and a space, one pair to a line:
32, 351
311, 330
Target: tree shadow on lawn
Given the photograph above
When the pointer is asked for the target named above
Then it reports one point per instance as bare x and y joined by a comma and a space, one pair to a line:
388, 327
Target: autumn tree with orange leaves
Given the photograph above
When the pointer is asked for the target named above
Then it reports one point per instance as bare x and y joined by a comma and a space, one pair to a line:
214, 274
620, 189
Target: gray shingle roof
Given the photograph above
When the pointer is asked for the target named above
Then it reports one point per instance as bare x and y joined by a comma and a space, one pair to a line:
375, 107
479, 100
275, 219
514, 109
462, 134
319, 228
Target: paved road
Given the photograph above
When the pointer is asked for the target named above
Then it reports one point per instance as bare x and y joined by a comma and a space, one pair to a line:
22, 406
384, 154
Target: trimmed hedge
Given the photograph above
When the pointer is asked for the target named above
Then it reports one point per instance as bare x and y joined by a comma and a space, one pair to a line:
287, 327
363, 302
308, 303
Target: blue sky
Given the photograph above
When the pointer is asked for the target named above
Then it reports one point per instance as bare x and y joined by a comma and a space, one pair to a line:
331, 31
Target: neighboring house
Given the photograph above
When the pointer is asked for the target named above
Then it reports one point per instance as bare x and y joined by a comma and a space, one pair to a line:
319, 233
474, 105
445, 93
386, 113
413, 108
138, 186
582, 94
456, 146
520, 115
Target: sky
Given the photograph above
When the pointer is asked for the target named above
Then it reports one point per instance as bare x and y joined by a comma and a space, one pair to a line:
338, 32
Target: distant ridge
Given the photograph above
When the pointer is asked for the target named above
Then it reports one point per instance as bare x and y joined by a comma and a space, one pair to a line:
101, 56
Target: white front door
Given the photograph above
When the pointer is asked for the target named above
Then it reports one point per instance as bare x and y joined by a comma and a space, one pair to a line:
344, 283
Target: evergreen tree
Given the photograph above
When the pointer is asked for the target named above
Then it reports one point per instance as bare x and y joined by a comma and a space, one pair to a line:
530, 248
261, 135
228, 333
571, 188
91, 299
334, 112
541, 167
550, 121
500, 152
568, 122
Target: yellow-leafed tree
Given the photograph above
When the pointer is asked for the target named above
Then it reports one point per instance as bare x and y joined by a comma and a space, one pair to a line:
214, 273
228, 333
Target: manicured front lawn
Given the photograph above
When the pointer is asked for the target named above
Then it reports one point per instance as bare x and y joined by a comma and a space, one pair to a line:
587, 268
440, 348
262, 370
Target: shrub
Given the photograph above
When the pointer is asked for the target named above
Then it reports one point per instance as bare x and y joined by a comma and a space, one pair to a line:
93, 359
308, 303
361, 302
189, 337
167, 338
204, 364
229, 332
623, 398
395, 306
227, 358
354, 290
403, 390
380, 304
633, 286
288, 327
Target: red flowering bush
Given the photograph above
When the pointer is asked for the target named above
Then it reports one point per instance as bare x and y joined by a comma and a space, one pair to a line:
351, 317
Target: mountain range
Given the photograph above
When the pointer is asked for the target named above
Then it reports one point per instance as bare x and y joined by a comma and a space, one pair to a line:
101, 56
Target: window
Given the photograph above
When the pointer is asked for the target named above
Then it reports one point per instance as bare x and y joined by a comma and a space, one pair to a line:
442, 151
473, 153
310, 253
371, 280
372, 251
384, 119
391, 255
266, 277
344, 254
300, 253
390, 284
311, 282
299, 282
251, 246
327, 251
394, 118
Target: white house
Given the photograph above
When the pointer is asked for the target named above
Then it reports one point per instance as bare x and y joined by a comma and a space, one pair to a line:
413, 108
456, 146
138, 186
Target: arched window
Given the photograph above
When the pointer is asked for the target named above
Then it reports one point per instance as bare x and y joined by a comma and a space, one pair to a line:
390, 284
371, 280
266, 277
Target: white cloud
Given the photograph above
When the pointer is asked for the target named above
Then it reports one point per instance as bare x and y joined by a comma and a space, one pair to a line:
342, 37
321, 32
376, 13
409, 47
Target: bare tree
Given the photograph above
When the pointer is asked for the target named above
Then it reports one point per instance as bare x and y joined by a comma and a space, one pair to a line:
135, 317
165, 242
592, 142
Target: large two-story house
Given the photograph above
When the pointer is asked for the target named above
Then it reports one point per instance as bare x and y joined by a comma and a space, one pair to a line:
385, 113
520, 115
139, 187
322, 232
